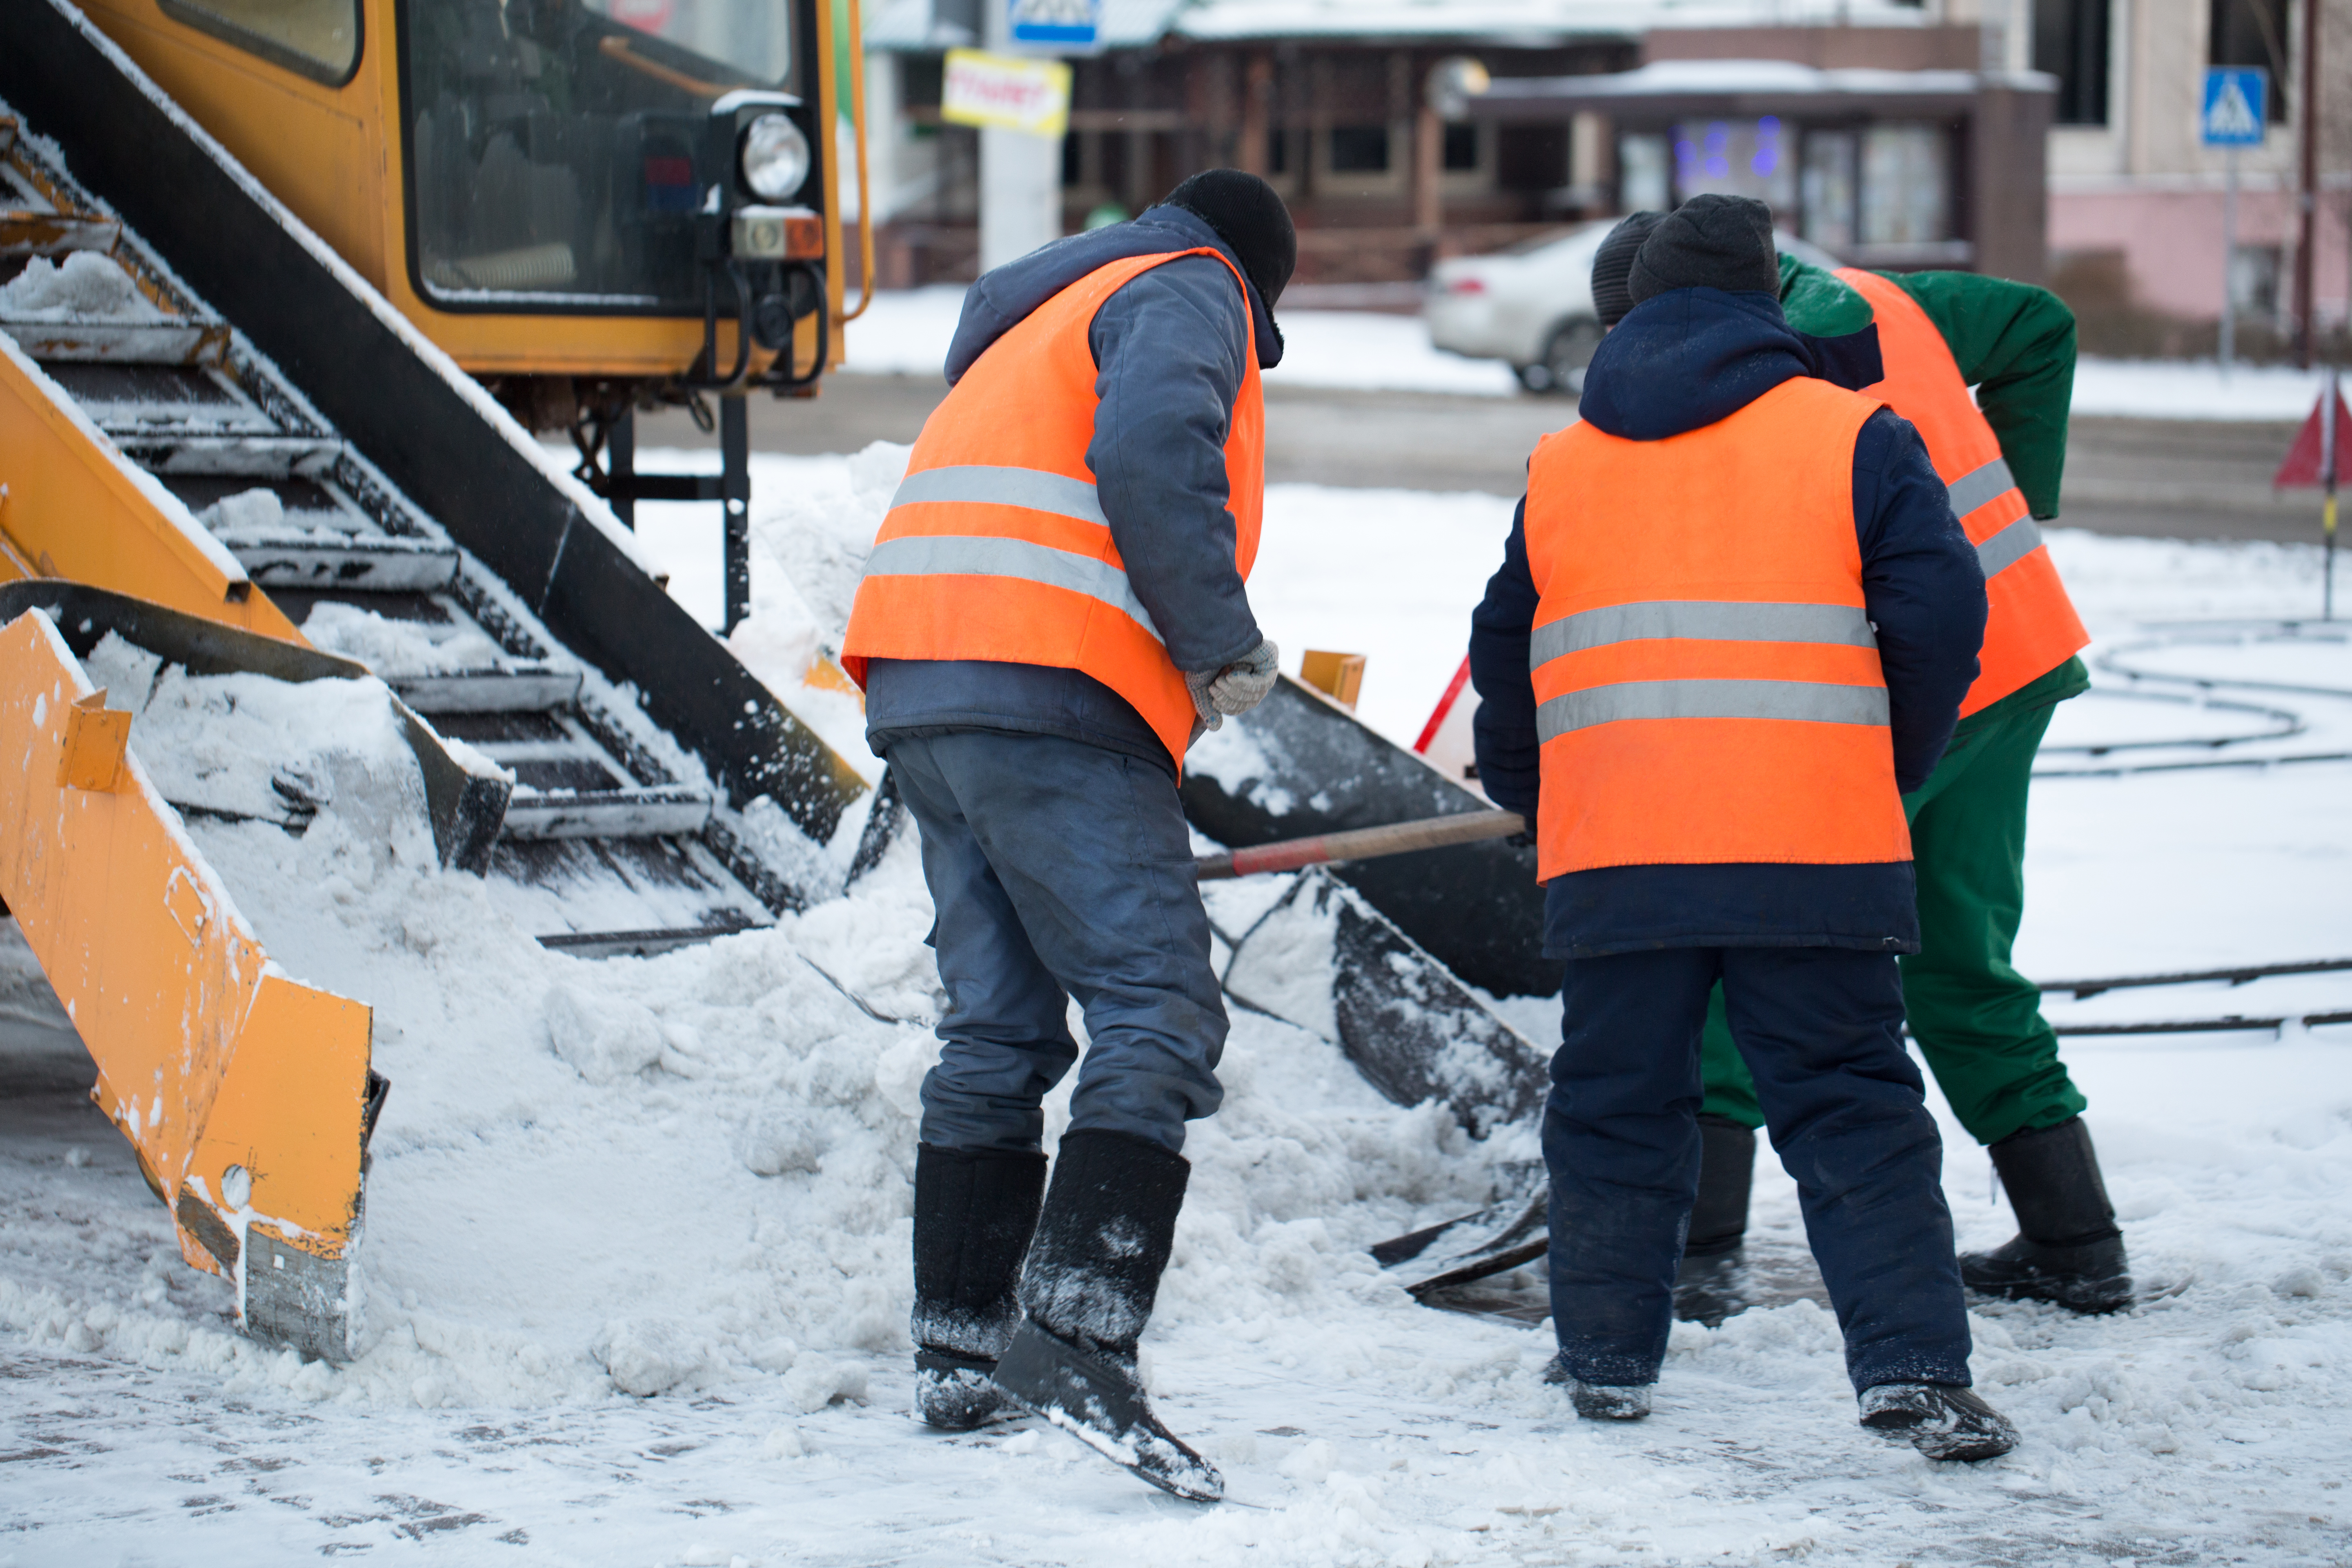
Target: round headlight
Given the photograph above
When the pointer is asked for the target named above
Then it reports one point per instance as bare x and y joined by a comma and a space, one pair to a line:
774, 156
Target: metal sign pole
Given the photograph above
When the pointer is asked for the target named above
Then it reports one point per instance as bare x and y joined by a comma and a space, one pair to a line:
2327, 456
2229, 262
2232, 118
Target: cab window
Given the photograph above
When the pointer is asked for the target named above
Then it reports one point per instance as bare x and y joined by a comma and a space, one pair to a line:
558, 148
318, 38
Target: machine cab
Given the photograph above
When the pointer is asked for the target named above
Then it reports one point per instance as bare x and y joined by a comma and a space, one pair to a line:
550, 188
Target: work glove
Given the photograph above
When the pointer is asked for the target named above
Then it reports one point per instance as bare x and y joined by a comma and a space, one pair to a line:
1235, 689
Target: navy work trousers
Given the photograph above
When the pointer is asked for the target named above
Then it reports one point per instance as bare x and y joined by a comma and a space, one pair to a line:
1060, 869
1822, 1030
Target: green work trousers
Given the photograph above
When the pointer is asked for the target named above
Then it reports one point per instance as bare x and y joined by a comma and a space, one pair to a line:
1977, 1021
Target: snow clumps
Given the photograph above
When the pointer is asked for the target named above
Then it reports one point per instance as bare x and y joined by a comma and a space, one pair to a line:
84, 287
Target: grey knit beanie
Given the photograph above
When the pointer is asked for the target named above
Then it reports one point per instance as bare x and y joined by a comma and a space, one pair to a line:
1708, 242
1613, 261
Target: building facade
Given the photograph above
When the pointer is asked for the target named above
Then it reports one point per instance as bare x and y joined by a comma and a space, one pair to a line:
2051, 140
2135, 203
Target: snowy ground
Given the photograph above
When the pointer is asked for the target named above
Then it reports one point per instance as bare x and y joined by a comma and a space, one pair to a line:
689, 1174
907, 334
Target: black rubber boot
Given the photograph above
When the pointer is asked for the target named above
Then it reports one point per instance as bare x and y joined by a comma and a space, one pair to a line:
1088, 1288
974, 1213
1940, 1419
2067, 1249
1711, 1285
1600, 1401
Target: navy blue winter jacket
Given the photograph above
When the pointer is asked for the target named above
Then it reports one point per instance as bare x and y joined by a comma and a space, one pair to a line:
1169, 350
1677, 362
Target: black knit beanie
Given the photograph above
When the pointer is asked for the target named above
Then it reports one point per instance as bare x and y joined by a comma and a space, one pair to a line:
1612, 261
1708, 242
1250, 218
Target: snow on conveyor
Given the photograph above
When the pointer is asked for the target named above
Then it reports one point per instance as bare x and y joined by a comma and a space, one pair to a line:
691, 1174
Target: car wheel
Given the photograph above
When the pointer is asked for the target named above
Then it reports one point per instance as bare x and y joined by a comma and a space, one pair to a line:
1565, 355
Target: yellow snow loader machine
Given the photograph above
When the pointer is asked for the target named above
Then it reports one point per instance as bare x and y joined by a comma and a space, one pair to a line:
594, 206
218, 442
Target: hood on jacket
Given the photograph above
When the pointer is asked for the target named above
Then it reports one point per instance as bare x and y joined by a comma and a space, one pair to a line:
1004, 298
1682, 360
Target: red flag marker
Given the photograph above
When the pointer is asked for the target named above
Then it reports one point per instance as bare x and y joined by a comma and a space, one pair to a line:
2318, 456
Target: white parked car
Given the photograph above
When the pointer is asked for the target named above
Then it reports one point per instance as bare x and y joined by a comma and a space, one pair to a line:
1532, 305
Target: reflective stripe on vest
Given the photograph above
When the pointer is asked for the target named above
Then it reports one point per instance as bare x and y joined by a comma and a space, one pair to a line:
996, 548
1793, 702
1706, 620
1033, 489
2015, 539
970, 555
2031, 626
1706, 678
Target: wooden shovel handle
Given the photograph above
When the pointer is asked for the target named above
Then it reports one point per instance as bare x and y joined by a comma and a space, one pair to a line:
1362, 843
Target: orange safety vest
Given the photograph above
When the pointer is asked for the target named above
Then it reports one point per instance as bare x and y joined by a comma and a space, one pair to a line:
1707, 687
2031, 626
995, 546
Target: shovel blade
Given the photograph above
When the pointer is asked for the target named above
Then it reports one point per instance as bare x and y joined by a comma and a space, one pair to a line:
1498, 1237
1324, 959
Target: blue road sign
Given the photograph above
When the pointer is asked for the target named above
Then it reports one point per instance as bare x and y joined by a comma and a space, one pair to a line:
1061, 24
2234, 105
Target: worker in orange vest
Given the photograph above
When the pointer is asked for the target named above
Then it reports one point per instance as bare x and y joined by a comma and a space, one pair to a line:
1051, 611
1734, 621
1978, 1022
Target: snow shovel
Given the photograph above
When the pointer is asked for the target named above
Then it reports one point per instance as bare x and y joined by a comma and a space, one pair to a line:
1362, 844
1505, 1234
1324, 959
1412, 1028
1299, 763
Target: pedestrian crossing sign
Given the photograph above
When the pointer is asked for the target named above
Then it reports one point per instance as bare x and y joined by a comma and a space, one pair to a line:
2234, 102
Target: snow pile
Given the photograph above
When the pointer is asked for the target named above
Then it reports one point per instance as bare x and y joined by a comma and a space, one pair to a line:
907, 333
693, 1171
26, 995
2193, 389
257, 513
399, 646
259, 516
251, 746
1372, 350
638, 1229
84, 287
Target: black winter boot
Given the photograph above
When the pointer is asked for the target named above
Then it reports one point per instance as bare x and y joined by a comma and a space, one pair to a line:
2067, 1248
974, 1211
1711, 1285
1089, 1287
1940, 1419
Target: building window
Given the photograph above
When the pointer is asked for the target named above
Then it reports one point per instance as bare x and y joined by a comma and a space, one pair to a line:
1905, 185
2252, 33
1360, 149
1461, 147
1737, 158
2254, 273
1828, 188
1531, 157
1643, 185
2070, 42
1277, 151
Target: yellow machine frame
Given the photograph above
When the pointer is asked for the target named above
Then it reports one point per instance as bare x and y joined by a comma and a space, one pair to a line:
333, 155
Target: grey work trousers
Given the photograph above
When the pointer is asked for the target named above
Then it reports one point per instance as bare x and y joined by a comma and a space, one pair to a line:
1060, 869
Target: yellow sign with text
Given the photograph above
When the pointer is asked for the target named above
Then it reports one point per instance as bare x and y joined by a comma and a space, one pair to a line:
1006, 90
